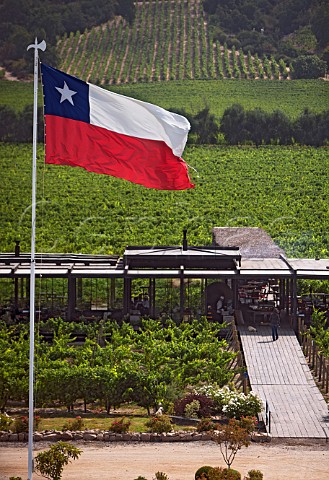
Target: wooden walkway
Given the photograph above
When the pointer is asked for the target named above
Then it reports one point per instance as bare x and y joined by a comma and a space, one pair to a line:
279, 374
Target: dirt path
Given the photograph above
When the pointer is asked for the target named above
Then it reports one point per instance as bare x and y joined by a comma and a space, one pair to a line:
179, 461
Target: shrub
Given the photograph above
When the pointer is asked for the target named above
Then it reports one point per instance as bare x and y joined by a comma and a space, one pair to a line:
50, 463
203, 472
191, 409
5, 422
120, 426
219, 473
255, 475
248, 424
206, 425
308, 66
161, 476
15, 478
73, 425
231, 403
206, 405
160, 424
21, 424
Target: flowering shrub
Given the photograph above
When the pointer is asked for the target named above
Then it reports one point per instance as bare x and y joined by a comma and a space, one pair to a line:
206, 425
231, 403
160, 424
206, 405
120, 426
21, 424
73, 425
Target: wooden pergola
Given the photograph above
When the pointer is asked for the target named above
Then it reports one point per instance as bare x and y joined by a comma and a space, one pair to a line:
237, 256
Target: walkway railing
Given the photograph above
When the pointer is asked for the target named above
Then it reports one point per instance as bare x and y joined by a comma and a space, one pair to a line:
240, 360
267, 417
317, 362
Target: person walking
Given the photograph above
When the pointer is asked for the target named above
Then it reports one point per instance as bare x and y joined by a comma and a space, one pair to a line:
275, 323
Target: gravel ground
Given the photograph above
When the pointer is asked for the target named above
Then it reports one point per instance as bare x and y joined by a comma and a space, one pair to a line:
179, 461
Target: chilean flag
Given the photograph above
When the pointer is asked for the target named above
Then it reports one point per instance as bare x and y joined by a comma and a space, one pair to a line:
103, 132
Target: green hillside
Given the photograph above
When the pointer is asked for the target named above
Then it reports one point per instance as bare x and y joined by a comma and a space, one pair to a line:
167, 41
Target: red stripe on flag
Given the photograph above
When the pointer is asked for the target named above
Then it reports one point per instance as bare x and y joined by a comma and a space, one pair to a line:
147, 162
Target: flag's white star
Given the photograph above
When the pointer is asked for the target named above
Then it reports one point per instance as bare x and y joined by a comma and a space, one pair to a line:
66, 93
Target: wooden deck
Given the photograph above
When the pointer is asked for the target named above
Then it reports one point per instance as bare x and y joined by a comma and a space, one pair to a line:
279, 374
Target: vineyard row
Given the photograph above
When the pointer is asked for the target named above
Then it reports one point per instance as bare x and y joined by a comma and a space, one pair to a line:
167, 41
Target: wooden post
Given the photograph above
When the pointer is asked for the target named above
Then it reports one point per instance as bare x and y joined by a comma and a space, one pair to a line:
327, 379
313, 354
71, 285
324, 371
320, 366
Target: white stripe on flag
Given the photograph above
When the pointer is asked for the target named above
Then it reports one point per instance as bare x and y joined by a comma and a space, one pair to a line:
135, 118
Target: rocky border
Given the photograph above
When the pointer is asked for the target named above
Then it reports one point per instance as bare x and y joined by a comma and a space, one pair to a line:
107, 436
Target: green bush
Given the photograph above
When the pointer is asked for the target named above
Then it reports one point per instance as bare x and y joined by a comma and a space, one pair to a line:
203, 472
219, 473
160, 424
50, 463
5, 422
73, 425
191, 409
161, 476
308, 66
255, 475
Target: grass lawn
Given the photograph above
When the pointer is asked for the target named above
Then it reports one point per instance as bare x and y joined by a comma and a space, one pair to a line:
59, 419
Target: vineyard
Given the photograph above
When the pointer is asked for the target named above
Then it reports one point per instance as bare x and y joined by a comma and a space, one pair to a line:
168, 40
281, 189
292, 97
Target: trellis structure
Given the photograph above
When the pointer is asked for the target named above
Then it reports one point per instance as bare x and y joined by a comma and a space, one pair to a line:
238, 255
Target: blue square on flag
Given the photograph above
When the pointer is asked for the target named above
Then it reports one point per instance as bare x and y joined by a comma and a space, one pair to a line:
66, 96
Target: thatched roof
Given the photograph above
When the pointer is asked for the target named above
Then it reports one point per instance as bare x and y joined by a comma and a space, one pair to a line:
253, 242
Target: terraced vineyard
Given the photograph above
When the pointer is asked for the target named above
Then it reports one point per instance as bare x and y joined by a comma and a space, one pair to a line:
169, 40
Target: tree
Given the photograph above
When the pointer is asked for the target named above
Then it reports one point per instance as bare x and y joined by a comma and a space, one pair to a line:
308, 66
312, 129
206, 127
50, 463
279, 129
319, 23
231, 438
232, 124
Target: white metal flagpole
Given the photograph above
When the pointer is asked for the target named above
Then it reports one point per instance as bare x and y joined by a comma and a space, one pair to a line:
36, 46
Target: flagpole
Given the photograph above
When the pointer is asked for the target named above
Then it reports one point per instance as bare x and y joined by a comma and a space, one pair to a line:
36, 46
